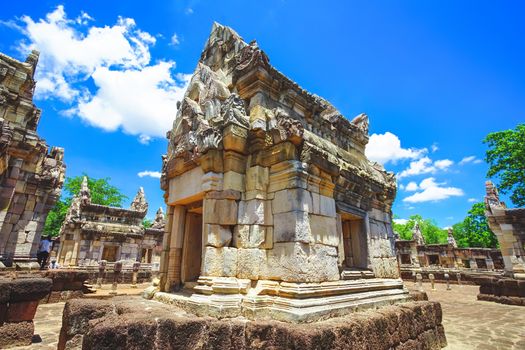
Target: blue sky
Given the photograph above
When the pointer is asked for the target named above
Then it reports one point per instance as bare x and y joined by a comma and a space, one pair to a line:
434, 78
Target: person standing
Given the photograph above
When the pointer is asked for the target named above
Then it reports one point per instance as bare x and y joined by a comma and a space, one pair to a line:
43, 252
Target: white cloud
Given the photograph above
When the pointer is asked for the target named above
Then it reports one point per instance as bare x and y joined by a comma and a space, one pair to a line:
472, 200
400, 221
434, 147
175, 39
412, 186
443, 163
425, 166
384, 148
141, 102
154, 174
189, 11
130, 93
470, 159
433, 191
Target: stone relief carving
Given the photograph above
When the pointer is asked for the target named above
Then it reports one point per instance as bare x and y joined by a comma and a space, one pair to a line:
234, 112
251, 56
286, 127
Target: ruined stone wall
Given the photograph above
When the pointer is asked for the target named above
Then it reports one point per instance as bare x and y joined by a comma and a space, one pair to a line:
30, 177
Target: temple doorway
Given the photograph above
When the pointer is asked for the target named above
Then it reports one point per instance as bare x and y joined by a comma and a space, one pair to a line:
109, 253
354, 242
192, 245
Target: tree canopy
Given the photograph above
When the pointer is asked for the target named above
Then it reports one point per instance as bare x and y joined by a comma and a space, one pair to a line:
474, 231
431, 232
506, 160
102, 192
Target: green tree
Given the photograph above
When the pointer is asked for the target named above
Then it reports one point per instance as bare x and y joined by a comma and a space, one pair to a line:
506, 160
431, 232
146, 223
102, 192
474, 231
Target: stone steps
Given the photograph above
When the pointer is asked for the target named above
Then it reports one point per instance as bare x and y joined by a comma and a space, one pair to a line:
356, 274
287, 301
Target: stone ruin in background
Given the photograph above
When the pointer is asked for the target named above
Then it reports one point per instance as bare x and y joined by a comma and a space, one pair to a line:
30, 177
273, 209
509, 227
93, 232
415, 256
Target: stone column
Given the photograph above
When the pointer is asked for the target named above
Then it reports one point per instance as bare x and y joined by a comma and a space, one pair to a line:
490, 264
473, 264
173, 278
164, 255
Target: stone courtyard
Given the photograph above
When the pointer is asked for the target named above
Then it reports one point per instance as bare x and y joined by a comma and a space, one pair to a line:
469, 324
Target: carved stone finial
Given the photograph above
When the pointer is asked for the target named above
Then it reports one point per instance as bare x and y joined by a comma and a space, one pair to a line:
361, 121
139, 202
85, 194
492, 196
159, 221
417, 235
451, 240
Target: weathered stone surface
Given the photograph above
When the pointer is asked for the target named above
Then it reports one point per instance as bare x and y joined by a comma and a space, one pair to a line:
255, 212
220, 211
21, 311
299, 262
250, 262
29, 289
296, 199
257, 178
253, 236
324, 230
16, 334
293, 226
407, 326
220, 262
217, 235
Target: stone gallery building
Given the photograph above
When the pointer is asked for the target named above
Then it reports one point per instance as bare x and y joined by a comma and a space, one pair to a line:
31, 176
93, 232
415, 254
272, 206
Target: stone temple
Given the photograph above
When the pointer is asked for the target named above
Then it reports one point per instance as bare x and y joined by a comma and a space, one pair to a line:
93, 232
30, 177
273, 209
